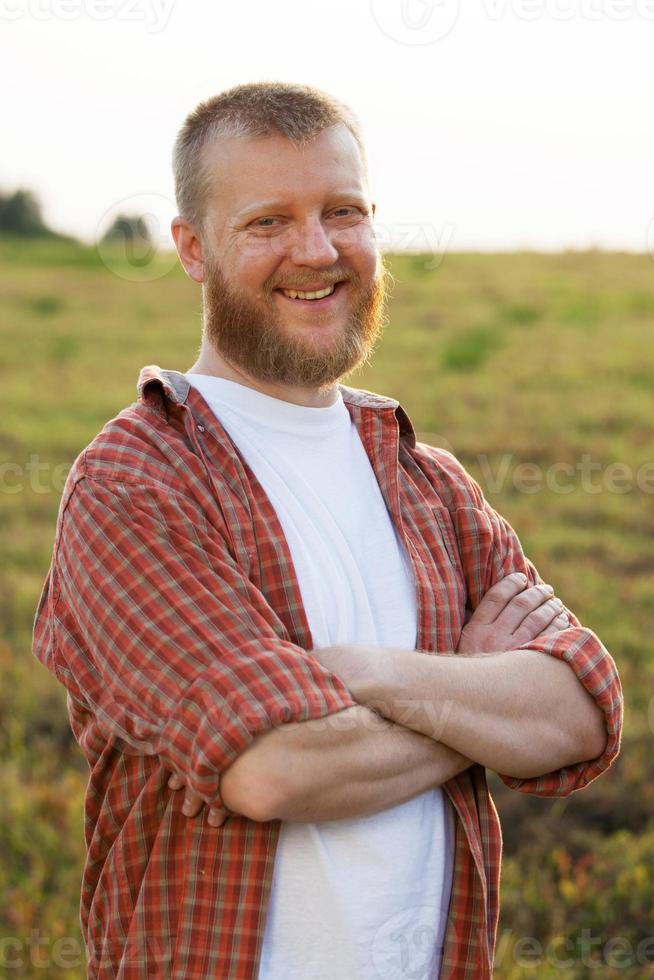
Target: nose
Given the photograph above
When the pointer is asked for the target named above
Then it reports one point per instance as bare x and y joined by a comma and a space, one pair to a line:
312, 246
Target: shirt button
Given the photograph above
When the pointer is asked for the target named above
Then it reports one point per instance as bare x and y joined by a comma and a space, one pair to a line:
200, 428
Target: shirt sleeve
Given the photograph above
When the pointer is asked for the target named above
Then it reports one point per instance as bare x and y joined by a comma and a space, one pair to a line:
489, 550
157, 631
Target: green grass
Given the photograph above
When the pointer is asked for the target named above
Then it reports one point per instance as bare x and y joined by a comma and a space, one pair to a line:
522, 364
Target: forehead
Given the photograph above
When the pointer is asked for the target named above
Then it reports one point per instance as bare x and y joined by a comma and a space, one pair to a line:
244, 169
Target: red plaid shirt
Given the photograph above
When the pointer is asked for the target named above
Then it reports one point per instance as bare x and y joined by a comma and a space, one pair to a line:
172, 615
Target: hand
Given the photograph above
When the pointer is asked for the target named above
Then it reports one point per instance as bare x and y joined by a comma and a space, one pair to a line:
194, 803
511, 614
356, 665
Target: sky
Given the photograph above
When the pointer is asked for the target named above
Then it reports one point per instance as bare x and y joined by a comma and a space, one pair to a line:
493, 125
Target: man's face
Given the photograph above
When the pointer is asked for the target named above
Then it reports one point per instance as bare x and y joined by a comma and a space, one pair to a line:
284, 220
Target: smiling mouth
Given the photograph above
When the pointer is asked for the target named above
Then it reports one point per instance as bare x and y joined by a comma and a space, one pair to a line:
312, 295
316, 294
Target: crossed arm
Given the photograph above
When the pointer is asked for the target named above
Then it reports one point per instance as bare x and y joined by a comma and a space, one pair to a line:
523, 716
179, 655
517, 712
349, 764
512, 710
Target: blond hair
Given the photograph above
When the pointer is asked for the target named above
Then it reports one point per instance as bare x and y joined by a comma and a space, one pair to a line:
298, 112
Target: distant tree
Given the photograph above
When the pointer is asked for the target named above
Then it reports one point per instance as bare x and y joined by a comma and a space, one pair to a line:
132, 231
20, 214
128, 227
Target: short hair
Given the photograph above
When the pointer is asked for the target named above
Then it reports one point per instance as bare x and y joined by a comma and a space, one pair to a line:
298, 112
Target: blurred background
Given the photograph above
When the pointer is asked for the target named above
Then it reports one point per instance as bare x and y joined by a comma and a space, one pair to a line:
511, 159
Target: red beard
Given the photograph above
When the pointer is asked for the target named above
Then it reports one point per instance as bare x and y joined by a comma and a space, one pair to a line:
251, 335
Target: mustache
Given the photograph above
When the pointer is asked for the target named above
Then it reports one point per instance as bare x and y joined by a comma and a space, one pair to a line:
300, 282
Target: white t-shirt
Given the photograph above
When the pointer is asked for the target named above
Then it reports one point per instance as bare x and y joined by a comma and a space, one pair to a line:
362, 898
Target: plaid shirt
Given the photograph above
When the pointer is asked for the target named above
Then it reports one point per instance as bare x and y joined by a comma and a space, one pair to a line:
172, 615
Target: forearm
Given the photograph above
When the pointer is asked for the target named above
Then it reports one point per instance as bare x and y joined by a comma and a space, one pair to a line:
348, 764
520, 712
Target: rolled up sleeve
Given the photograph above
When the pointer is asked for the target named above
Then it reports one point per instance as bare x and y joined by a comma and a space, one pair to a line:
159, 633
595, 669
490, 550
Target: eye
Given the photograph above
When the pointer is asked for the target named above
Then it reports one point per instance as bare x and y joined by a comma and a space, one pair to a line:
263, 222
346, 211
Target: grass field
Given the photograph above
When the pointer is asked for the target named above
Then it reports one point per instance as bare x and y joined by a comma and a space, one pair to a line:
537, 372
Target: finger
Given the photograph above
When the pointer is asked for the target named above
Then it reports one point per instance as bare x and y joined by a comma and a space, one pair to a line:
192, 804
217, 817
538, 621
175, 781
523, 605
560, 623
495, 600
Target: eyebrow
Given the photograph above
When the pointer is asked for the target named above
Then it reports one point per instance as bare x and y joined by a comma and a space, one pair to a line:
279, 205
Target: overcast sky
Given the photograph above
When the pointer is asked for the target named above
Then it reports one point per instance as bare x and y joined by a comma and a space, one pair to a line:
493, 124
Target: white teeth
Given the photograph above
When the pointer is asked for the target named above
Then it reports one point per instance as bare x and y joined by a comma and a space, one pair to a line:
319, 294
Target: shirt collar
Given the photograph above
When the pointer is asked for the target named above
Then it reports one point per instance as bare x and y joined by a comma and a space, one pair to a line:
173, 387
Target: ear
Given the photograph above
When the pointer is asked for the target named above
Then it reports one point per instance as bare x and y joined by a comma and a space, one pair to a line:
189, 248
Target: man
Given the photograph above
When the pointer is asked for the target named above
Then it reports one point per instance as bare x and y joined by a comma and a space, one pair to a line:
259, 592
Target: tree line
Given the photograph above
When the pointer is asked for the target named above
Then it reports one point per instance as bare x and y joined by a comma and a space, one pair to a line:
21, 214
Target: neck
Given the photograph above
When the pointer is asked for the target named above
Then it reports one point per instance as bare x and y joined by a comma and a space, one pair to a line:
214, 364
